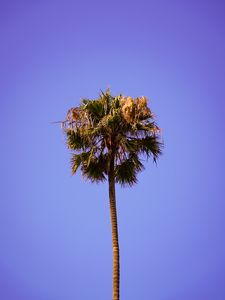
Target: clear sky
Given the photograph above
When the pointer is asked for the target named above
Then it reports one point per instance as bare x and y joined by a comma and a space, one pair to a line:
55, 234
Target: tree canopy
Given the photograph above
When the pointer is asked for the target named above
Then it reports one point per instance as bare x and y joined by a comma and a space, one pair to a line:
122, 129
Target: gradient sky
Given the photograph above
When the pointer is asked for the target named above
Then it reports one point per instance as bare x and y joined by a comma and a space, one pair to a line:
55, 234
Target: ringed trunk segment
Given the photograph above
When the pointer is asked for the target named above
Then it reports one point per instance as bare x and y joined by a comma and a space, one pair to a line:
115, 239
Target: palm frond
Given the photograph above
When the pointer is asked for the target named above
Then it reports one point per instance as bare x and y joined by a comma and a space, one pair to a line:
74, 140
126, 171
95, 169
77, 160
149, 146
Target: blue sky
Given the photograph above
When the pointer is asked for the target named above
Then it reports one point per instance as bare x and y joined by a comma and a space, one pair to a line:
54, 228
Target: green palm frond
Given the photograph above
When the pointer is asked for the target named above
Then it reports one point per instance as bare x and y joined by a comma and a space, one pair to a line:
126, 172
149, 146
77, 160
95, 169
95, 109
75, 140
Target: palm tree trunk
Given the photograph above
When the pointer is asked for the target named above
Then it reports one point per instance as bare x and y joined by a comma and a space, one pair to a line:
115, 240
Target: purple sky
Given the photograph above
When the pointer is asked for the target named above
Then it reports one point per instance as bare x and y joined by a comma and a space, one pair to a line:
55, 234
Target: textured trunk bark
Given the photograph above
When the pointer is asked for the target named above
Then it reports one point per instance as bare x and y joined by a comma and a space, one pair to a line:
115, 239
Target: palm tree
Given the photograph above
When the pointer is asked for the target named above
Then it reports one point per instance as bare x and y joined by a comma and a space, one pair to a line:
109, 137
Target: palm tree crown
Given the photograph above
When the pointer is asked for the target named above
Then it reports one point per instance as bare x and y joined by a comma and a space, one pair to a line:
119, 129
